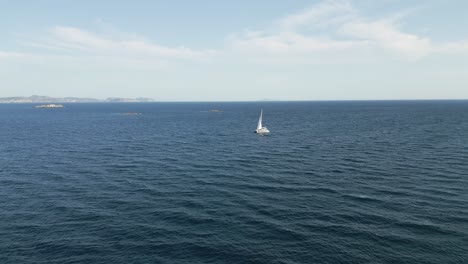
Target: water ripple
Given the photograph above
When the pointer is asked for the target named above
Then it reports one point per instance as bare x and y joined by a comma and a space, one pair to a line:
335, 182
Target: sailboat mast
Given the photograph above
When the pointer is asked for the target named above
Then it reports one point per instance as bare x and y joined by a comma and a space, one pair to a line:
259, 126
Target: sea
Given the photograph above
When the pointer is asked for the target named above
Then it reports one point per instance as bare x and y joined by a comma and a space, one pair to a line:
334, 182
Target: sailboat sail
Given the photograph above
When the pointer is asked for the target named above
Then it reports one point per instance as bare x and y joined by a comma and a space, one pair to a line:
259, 126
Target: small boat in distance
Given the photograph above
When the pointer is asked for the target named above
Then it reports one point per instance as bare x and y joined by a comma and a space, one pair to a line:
49, 106
261, 129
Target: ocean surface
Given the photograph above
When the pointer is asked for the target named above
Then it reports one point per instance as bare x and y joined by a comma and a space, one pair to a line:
334, 182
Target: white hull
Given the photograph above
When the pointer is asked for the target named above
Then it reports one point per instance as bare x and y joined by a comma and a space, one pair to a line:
262, 130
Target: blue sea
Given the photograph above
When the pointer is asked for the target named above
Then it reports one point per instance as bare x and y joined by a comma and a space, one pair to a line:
334, 182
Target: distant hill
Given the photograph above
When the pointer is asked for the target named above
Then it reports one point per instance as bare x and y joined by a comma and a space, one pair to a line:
47, 99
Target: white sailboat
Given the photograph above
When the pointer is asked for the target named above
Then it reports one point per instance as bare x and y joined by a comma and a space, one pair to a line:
261, 129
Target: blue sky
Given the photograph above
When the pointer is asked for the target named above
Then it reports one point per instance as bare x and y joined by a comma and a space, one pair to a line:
235, 50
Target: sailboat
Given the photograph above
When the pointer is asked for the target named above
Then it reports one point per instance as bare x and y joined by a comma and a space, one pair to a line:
261, 129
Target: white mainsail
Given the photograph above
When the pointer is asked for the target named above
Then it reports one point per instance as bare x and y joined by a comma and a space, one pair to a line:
259, 126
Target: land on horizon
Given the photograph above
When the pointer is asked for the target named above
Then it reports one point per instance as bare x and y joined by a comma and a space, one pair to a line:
70, 99
48, 99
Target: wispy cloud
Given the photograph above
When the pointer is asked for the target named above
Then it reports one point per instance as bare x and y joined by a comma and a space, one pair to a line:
323, 14
336, 25
331, 30
288, 42
71, 47
79, 40
386, 35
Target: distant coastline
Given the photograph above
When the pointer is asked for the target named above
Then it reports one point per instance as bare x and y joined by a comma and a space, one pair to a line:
37, 99
47, 99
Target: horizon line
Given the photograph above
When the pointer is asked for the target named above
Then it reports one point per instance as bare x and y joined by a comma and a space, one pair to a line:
242, 101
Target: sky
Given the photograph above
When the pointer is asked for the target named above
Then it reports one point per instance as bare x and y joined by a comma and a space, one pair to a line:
210, 50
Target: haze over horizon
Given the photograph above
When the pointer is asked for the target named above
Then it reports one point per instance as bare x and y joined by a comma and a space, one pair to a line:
235, 51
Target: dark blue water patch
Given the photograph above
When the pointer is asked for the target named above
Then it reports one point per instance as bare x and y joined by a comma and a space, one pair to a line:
335, 182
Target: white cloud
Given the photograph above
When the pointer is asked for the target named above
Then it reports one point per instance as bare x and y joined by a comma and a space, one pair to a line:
384, 34
75, 39
288, 38
330, 31
288, 42
74, 48
336, 25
